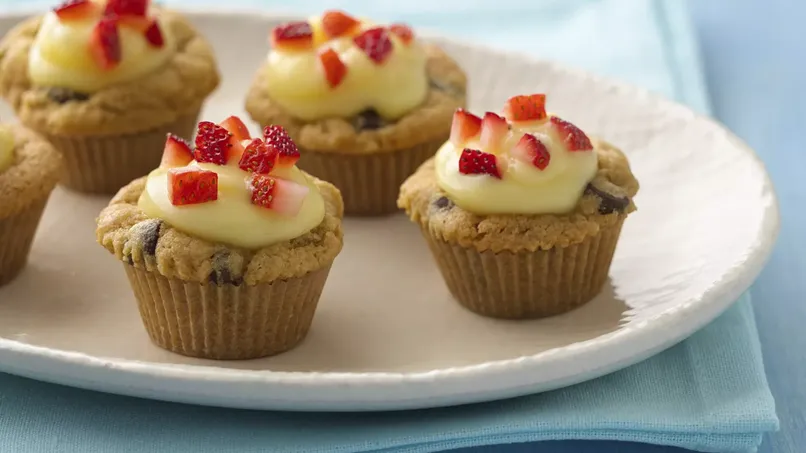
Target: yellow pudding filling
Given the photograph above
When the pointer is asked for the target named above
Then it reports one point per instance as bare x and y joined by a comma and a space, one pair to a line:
523, 188
296, 80
233, 219
61, 55
6, 148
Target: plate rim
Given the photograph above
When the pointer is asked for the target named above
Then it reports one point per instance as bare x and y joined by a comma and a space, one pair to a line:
23, 359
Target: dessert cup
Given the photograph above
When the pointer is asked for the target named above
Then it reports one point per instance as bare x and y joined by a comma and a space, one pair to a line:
513, 237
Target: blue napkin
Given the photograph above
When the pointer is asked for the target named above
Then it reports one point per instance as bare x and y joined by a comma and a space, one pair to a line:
708, 393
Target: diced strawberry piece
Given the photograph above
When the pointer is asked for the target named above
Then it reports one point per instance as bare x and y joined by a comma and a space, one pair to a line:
236, 127
105, 43
192, 186
126, 7
177, 152
153, 34
294, 35
494, 131
287, 153
572, 136
138, 23
258, 157
403, 32
526, 107
212, 144
337, 23
465, 126
530, 149
334, 69
76, 10
475, 162
279, 195
375, 43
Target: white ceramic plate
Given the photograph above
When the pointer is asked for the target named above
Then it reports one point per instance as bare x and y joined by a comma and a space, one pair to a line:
387, 334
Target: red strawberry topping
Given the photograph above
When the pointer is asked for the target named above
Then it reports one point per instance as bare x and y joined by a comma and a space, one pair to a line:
258, 157
238, 134
191, 186
277, 138
337, 23
494, 131
530, 149
153, 34
403, 32
177, 152
279, 195
212, 143
105, 43
465, 126
294, 35
126, 7
375, 43
526, 107
334, 69
475, 162
572, 136
75, 10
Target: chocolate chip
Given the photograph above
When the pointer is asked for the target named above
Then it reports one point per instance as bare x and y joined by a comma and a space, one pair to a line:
129, 260
609, 203
443, 203
221, 273
367, 120
64, 95
150, 235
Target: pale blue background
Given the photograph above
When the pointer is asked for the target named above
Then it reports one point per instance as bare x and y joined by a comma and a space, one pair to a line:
754, 55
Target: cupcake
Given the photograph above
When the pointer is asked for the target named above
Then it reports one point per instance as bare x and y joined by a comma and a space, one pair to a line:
521, 211
366, 103
29, 170
227, 244
104, 82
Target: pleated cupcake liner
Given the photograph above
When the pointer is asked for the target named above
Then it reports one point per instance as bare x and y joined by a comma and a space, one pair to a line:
226, 322
526, 285
16, 236
103, 164
369, 183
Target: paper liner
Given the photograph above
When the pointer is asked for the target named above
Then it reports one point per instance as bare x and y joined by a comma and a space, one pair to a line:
226, 322
369, 183
16, 236
526, 284
103, 164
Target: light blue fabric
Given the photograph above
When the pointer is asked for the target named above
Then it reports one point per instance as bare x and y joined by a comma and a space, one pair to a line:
709, 393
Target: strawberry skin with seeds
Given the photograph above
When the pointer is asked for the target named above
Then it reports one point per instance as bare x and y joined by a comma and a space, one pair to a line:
277, 138
76, 10
212, 144
375, 43
494, 130
465, 127
258, 157
530, 107
177, 152
334, 69
191, 186
530, 149
337, 23
294, 35
475, 162
573, 137
280, 195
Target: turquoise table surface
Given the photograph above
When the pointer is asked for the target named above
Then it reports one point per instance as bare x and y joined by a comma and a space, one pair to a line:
753, 57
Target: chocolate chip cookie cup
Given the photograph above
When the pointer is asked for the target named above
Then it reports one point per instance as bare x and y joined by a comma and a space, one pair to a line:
522, 213
367, 104
104, 81
227, 246
29, 170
